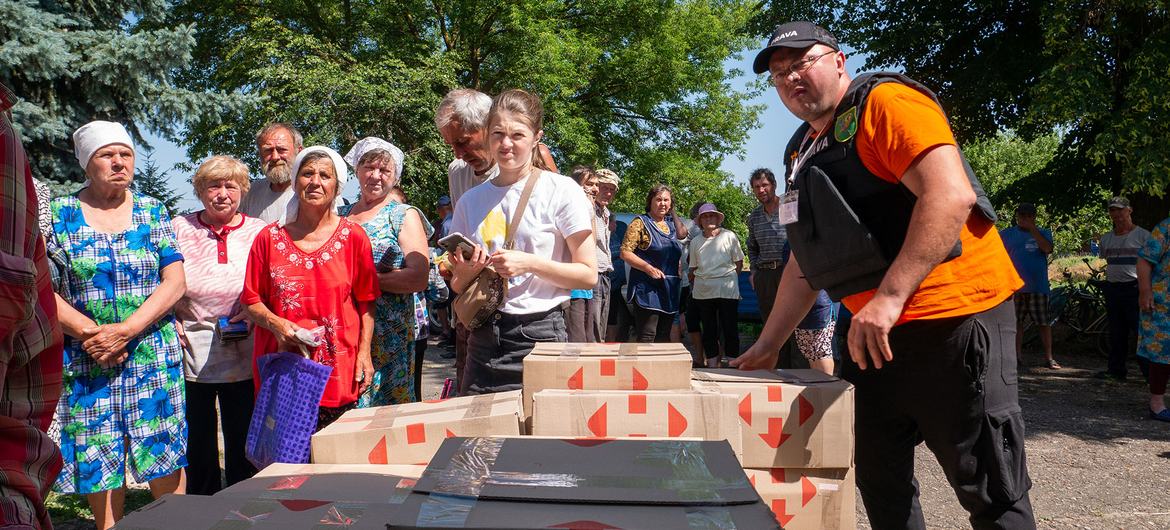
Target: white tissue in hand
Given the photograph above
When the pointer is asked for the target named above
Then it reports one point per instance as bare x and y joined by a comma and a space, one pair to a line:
308, 337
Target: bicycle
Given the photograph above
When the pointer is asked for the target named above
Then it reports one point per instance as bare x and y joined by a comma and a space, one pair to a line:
1080, 306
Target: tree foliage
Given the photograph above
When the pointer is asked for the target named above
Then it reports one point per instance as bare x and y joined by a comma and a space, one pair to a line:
635, 85
1093, 71
151, 180
1004, 164
72, 62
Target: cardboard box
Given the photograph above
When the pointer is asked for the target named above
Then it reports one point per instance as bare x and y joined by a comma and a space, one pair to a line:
591, 366
789, 418
197, 512
284, 470
706, 415
527, 483
410, 433
808, 498
329, 482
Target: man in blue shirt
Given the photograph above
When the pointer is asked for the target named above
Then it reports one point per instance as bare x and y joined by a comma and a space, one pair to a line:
1029, 247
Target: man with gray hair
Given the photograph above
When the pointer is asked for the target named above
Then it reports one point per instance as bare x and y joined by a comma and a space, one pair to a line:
462, 120
277, 144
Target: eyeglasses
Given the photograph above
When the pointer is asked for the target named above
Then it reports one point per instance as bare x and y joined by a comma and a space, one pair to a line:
797, 67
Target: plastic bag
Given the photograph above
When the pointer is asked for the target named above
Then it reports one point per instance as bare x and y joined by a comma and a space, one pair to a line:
286, 408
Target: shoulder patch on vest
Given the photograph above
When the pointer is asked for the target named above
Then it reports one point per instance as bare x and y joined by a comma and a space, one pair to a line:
846, 125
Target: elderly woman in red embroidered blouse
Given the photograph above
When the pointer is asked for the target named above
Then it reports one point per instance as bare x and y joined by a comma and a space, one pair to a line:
314, 269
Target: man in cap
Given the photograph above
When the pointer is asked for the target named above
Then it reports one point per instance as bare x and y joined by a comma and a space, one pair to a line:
1120, 249
598, 307
277, 144
444, 210
904, 235
1029, 247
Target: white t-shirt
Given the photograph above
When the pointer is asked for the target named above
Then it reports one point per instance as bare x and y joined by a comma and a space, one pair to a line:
713, 261
557, 208
263, 203
461, 177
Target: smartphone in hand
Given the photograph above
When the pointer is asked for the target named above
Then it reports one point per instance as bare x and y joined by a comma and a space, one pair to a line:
457, 242
231, 331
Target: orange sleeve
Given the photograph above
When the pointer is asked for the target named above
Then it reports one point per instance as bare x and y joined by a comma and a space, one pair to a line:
897, 126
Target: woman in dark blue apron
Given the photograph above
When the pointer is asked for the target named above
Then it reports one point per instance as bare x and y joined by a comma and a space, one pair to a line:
653, 250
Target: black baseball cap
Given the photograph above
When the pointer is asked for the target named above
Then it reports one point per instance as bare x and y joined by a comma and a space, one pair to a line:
1026, 208
799, 34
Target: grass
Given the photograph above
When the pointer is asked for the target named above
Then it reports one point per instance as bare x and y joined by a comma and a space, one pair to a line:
72, 511
1075, 267
750, 329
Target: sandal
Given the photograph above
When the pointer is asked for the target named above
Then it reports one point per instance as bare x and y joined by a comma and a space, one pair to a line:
1052, 364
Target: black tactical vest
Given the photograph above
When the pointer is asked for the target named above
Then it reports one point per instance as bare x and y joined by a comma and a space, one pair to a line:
851, 223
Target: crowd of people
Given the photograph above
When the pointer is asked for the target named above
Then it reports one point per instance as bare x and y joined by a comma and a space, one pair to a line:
133, 337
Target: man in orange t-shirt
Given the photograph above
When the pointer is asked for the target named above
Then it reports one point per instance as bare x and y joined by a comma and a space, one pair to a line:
931, 345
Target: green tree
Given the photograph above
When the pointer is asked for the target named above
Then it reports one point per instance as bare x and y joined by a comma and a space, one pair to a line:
152, 181
635, 85
1004, 164
1094, 71
73, 62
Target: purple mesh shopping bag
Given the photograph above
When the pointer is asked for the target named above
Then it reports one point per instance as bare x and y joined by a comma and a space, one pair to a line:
291, 387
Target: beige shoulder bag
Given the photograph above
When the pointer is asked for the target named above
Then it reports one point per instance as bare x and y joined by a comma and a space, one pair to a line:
486, 292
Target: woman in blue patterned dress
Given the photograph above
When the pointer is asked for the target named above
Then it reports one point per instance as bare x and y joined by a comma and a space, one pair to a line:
398, 234
1154, 300
122, 395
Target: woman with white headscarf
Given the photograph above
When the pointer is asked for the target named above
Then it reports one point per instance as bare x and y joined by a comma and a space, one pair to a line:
398, 235
312, 273
122, 394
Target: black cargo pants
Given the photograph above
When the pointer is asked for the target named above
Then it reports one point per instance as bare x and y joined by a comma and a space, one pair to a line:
953, 385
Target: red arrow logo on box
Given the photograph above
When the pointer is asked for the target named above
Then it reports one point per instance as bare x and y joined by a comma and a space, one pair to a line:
675, 421
576, 380
806, 409
808, 490
585, 525
378, 453
597, 422
745, 409
781, 511
640, 382
774, 437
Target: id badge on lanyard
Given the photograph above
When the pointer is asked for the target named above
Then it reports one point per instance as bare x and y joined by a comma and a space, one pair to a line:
788, 212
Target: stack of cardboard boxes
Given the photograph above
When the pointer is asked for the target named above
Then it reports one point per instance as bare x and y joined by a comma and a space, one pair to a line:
790, 431
797, 438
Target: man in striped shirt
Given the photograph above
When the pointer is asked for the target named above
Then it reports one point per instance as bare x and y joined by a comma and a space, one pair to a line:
30, 342
1120, 250
765, 241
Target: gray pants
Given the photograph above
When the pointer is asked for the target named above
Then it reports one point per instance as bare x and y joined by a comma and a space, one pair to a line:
588, 317
599, 308
496, 350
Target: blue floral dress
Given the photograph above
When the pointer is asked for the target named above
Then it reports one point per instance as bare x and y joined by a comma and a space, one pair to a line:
395, 325
1154, 334
139, 404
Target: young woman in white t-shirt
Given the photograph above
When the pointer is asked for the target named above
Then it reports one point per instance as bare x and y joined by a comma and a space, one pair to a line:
552, 251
